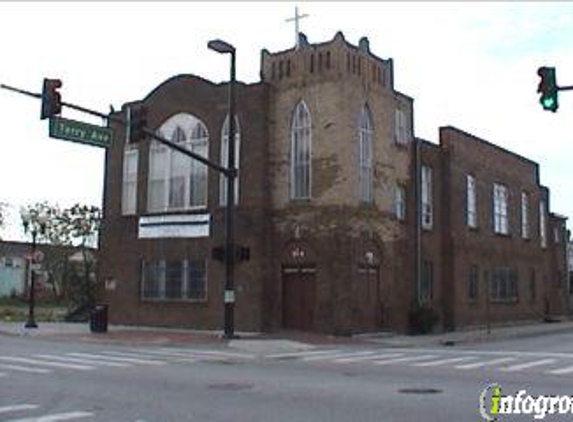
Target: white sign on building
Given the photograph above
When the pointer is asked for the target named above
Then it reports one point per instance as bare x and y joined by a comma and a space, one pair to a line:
179, 225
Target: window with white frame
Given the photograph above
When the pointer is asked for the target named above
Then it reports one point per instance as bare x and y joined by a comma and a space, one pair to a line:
173, 280
400, 202
129, 181
542, 225
427, 203
365, 134
500, 224
401, 127
556, 234
225, 159
525, 215
301, 154
471, 201
177, 182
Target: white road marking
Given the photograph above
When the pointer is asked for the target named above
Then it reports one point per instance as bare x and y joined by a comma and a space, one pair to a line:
118, 359
480, 364
338, 355
18, 407
561, 371
47, 363
490, 352
25, 369
365, 358
55, 417
193, 352
528, 365
301, 354
149, 356
404, 359
83, 361
444, 361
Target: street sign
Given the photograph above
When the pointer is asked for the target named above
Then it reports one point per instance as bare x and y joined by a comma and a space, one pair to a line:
84, 133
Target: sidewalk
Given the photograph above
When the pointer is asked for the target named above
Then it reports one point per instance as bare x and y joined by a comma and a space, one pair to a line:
478, 335
271, 342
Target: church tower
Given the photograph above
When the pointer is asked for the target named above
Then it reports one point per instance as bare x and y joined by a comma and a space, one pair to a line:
339, 171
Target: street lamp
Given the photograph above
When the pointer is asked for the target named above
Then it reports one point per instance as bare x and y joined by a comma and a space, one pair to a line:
33, 224
229, 299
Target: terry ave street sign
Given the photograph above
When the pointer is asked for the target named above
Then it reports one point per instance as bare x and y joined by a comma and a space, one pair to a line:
84, 133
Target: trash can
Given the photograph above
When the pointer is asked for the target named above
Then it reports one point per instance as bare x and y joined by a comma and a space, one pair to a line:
98, 319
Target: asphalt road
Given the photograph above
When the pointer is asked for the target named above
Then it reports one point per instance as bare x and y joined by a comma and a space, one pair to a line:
49, 381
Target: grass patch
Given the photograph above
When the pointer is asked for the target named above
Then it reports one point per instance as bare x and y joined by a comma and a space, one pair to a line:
42, 313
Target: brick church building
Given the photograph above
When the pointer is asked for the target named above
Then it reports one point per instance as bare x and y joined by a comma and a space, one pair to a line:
351, 221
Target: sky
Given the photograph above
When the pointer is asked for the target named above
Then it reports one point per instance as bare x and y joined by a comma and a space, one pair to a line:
470, 65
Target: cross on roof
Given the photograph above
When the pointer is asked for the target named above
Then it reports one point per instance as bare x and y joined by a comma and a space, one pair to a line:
296, 19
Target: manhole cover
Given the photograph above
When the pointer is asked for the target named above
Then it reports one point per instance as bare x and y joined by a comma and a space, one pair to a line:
416, 390
230, 386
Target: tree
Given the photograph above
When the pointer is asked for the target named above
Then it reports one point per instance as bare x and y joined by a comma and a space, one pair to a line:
77, 225
83, 223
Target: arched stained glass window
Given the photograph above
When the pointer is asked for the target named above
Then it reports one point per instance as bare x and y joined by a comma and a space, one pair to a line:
224, 159
301, 154
365, 134
177, 182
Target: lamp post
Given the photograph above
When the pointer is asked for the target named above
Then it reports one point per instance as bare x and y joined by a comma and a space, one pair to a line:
229, 299
34, 226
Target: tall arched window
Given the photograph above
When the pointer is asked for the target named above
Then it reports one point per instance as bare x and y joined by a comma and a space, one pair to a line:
365, 134
177, 182
300, 158
224, 159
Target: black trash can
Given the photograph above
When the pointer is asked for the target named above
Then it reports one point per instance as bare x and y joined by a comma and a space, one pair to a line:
98, 319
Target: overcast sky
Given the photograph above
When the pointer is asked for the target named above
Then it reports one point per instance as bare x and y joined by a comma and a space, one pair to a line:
471, 65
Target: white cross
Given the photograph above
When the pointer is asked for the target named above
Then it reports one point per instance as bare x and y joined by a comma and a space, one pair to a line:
296, 18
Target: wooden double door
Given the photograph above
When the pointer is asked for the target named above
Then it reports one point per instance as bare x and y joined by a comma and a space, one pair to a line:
298, 298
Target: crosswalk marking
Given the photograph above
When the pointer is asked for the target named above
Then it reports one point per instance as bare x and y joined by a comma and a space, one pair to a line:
83, 361
367, 358
25, 369
17, 408
337, 355
481, 364
192, 352
100, 357
300, 354
56, 417
561, 371
528, 365
404, 359
444, 361
148, 356
47, 363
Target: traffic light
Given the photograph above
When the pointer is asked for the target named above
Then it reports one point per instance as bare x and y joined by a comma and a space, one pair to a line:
51, 98
548, 88
136, 123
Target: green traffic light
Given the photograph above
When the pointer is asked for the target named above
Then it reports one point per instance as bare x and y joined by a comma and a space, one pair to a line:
548, 103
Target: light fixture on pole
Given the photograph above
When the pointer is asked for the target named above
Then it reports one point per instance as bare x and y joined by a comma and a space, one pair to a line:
229, 298
34, 223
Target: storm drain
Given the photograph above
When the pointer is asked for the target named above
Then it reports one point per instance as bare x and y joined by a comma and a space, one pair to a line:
230, 386
417, 390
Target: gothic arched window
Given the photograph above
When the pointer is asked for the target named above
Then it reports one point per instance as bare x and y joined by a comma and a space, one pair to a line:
177, 182
365, 134
300, 155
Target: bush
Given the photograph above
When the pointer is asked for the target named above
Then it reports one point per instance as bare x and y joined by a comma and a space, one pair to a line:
422, 319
